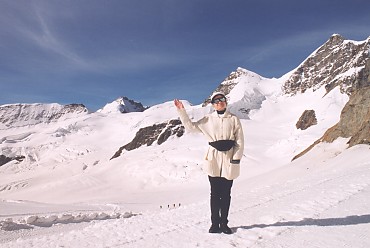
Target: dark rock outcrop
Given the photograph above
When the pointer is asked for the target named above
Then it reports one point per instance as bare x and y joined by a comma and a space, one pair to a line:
4, 159
157, 132
307, 119
129, 105
354, 122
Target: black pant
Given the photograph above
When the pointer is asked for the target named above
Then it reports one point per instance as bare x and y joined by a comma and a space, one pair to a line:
220, 199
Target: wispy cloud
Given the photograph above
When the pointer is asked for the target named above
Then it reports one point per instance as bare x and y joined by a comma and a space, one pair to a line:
47, 40
46, 36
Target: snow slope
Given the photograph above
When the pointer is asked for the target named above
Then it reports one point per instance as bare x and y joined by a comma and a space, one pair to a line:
323, 204
68, 193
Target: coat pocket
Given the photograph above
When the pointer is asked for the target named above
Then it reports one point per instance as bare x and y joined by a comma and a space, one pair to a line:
234, 171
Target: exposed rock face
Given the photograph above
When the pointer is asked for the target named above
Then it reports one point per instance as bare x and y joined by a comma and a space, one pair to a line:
4, 159
131, 106
338, 62
354, 122
157, 132
307, 119
16, 115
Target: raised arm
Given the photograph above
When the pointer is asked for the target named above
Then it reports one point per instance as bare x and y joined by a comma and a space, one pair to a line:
188, 124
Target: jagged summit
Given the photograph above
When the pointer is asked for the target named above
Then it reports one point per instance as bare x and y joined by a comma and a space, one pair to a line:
246, 90
122, 105
338, 62
235, 77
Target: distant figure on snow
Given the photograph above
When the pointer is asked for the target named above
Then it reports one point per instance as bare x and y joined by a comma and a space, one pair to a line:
226, 144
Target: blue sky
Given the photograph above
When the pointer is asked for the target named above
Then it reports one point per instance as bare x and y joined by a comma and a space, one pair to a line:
153, 51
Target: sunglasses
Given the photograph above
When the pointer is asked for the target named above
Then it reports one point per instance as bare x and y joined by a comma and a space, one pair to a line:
218, 100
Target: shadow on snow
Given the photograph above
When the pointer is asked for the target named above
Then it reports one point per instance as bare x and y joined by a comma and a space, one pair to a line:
345, 221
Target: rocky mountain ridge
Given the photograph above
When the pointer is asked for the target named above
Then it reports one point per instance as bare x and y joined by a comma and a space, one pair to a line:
21, 114
344, 64
338, 62
18, 115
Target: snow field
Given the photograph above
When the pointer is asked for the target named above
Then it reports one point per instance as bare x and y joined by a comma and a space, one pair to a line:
297, 202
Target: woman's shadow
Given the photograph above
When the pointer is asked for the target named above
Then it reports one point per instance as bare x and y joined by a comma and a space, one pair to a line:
345, 221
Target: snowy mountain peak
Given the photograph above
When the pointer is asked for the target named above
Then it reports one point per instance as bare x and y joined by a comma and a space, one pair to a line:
338, 62
235, 77
122, 105
246, 91
18, 115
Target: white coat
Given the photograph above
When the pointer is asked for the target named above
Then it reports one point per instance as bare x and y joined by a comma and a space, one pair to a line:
219, 127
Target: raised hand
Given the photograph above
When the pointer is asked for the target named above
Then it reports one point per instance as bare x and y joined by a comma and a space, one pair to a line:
178, 104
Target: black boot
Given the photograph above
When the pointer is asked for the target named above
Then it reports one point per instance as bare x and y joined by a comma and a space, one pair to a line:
214, 229
225, 229
224, 214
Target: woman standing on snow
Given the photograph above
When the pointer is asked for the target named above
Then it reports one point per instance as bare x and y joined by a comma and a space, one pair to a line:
226, 144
